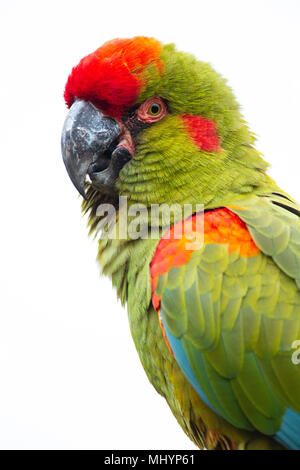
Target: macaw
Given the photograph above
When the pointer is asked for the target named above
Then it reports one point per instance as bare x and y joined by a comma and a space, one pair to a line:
214, 313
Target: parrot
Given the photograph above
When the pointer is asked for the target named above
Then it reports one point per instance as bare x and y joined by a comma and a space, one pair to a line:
213, 297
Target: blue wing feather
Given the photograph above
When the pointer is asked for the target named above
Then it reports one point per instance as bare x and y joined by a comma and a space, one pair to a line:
289, 433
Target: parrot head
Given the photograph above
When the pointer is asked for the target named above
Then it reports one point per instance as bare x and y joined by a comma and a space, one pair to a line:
156, 125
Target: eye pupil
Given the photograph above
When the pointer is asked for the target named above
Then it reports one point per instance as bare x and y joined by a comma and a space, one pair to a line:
154, 109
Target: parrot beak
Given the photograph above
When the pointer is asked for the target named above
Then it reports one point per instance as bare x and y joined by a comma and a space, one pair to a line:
90, 148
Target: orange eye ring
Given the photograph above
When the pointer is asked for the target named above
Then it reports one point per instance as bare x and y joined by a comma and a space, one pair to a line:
152, 110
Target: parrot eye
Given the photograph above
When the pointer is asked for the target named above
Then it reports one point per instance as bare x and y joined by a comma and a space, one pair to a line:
152, 110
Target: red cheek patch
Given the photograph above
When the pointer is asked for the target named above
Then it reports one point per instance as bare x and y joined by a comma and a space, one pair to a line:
203, 132
111, 77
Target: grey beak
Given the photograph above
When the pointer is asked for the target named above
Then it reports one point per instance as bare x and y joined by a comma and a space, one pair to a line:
88, 139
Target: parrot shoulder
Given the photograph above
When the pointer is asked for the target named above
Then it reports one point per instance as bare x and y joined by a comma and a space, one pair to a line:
230, 311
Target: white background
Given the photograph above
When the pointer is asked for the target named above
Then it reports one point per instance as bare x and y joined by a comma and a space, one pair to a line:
69, 374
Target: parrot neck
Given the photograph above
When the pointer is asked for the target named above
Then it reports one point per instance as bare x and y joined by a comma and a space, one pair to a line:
211, 187
173, 170
218, 182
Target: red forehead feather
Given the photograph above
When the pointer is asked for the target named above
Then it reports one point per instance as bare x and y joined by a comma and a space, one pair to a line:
111, 77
